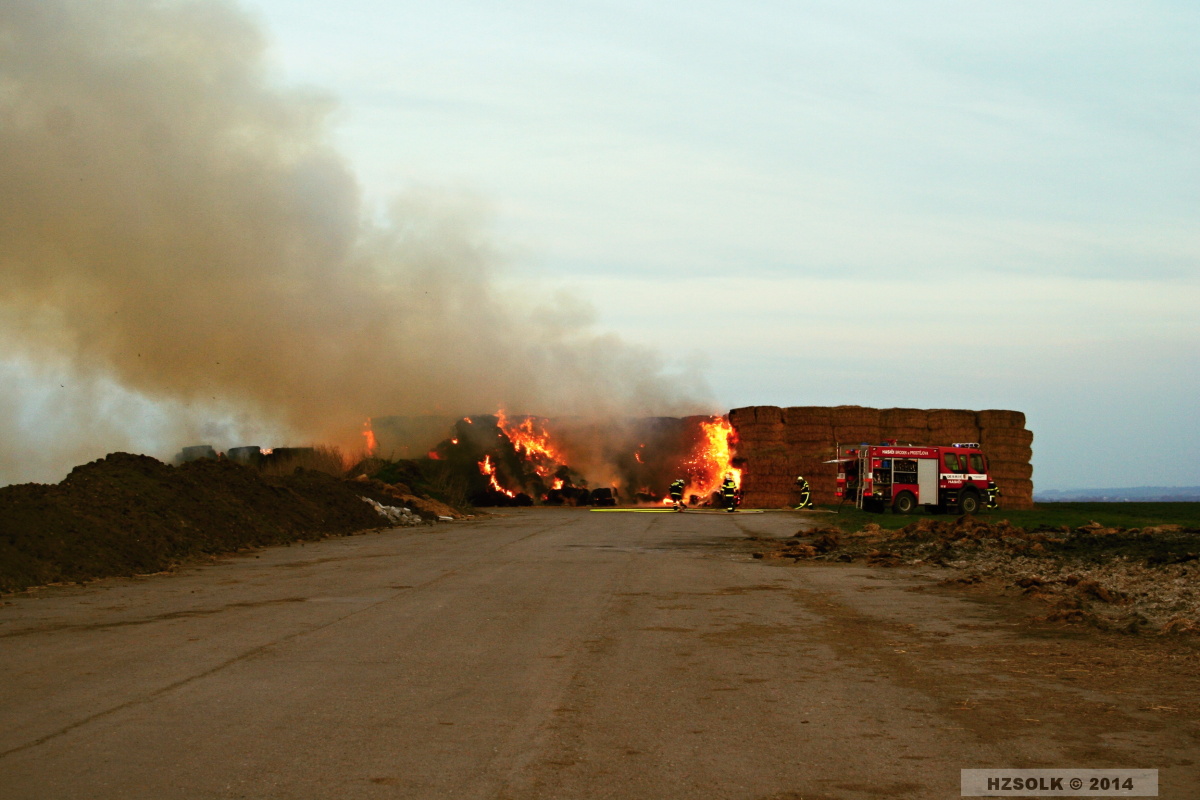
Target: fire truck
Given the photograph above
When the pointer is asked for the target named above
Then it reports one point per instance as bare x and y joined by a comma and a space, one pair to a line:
944, 479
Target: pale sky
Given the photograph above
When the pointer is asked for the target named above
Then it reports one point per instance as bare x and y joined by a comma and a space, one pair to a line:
935, 204
924, 204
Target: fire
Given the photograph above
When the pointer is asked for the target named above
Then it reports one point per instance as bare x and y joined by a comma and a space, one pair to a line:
558, 483
712, 458
533, 442
369, 436
486, 467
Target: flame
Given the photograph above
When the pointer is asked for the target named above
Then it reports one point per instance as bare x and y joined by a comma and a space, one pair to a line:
638, 457
558, 483
712, 458
486, 467
369, 436
533, 442
666, 501
454, 441
435, 455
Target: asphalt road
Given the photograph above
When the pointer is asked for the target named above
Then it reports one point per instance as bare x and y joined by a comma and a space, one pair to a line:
554, 654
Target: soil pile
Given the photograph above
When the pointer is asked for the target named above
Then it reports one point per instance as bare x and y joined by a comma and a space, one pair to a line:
130, 514
1129, 579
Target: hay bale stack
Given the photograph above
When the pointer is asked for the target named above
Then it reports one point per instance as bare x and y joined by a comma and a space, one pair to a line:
854, 424
761, 425
995, 418
1009, 448
808, 415
776, 445
907, 418
947, 426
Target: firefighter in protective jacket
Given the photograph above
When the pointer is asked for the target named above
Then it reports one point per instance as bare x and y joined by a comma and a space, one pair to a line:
805, 493
993, 497
729, 494
677, 494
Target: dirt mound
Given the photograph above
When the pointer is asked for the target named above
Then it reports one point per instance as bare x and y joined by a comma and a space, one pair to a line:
1135, 579
130, 514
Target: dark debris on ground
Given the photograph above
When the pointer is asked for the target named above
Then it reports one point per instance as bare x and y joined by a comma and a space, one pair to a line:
1134, 580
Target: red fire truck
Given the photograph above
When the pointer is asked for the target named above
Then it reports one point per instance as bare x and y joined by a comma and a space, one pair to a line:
943, 479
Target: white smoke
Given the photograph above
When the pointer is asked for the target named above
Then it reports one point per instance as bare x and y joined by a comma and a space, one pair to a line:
183, 257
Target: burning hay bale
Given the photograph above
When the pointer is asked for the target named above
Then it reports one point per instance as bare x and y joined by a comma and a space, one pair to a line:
509, 460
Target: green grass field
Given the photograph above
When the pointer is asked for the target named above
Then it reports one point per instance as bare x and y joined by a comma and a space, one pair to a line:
1112, 515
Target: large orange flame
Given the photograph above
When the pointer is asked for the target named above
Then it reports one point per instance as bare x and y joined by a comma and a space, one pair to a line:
712, 458
532, 441
486, 467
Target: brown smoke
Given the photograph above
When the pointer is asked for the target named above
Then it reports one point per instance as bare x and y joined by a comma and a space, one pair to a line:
176, 225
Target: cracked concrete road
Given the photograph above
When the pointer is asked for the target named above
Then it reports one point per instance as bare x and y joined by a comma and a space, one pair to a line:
564, 654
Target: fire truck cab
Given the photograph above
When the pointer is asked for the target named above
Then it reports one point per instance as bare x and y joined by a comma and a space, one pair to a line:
941, 478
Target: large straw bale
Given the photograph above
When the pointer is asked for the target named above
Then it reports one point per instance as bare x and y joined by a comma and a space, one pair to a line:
854, 436
995, 418
854, 416
755, 434
1010, 469
904, 418
808, 433
1015, 493
807, 415
1013, 503
759, 414
1006, 436
815, 453
825, 443
906, 435
951, 418
805, 465
1009, 453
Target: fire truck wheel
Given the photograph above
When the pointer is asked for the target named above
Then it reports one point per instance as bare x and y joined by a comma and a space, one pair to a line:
968, 503
904, 503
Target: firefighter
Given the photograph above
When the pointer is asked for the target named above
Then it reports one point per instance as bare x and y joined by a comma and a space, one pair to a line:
805, 493
677, 494
729, 494
993, 497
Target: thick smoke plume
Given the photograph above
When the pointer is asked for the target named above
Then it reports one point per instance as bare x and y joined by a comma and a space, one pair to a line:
176, 231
